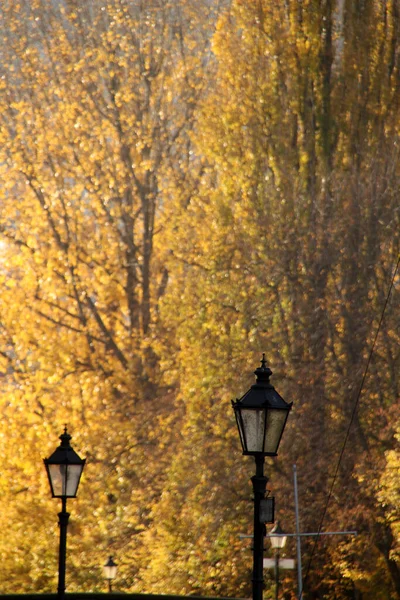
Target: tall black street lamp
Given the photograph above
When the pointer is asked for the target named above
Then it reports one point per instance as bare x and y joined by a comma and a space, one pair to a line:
110, 572
64, 469
278, 539
261, 416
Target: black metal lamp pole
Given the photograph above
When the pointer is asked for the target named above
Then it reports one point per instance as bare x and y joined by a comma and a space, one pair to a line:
261, 416
64, 469
259, 482
63, 517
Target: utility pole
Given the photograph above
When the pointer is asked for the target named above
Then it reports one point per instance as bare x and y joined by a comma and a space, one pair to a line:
298, 535
298, 539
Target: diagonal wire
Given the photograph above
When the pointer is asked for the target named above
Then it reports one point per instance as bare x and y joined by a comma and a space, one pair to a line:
351, 423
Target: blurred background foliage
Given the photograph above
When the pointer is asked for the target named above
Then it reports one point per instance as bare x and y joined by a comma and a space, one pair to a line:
185, 185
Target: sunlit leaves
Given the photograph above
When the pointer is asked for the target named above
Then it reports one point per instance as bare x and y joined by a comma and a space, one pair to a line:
89, 138
176, 199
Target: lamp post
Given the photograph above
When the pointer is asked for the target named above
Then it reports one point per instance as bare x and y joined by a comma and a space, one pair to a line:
64, 469
110, 572
261, 416
278, 539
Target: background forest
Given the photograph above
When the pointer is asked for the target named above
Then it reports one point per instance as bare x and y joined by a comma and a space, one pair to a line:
184, 185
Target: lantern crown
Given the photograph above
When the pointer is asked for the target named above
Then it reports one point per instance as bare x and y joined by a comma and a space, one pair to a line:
262, 393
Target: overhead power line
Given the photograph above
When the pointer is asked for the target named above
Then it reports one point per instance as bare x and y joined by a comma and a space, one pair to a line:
353, 414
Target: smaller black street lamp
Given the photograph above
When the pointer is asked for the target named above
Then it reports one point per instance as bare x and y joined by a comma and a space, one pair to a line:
64, 469
110, 572
278, 539
261, 416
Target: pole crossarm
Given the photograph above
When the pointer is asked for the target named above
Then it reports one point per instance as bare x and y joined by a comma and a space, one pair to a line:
242, 536
298, 535
320, 533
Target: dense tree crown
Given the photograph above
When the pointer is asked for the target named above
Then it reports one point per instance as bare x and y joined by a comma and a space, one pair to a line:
185, 185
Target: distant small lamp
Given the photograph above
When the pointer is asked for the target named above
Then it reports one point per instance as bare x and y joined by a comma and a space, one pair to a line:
64, 469
110, 572
278, 539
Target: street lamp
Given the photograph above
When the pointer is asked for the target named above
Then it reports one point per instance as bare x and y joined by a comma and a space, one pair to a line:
278, 539
110, 572
64, 469
261, 416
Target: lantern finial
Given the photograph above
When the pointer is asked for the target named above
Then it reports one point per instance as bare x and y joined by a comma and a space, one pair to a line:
65, 438
263, 373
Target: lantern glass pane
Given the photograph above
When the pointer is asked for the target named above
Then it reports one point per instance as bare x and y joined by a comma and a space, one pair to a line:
278, 541
240, 428
276, 420
254, 426
110, 572
65, 479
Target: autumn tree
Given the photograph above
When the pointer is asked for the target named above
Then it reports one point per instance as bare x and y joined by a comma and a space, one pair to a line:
97, 106
175, 201
289, 247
